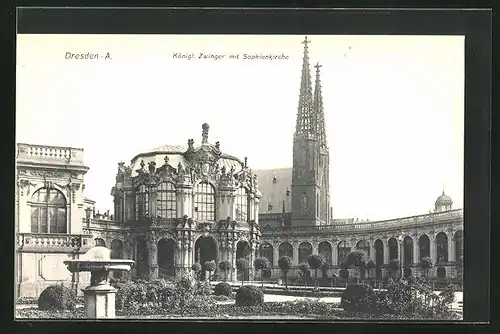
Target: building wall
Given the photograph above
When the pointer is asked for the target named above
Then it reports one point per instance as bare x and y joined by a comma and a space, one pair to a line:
350, 234
40, 255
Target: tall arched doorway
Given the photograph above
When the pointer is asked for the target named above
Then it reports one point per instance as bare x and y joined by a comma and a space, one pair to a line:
243, 251
205, 249
325, 250
379, 258
166, 258
285, 249
305, 250
407, 251
441, 247
393, 249
424, 246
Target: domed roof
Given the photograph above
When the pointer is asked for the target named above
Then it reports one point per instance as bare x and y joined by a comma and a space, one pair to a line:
444, 199
176, 154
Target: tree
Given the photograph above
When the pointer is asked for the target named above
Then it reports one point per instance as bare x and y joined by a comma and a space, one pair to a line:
426, 264
315, 261
196, 267
261, 263
304, 269
285, 264
209, 266
225, 266
357, 259
242, 265
370, 266
394, 266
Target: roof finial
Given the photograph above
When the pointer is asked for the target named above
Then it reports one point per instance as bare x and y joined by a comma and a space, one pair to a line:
204, 134
318, 66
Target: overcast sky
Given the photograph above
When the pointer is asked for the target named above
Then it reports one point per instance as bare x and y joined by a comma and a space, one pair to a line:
394, 108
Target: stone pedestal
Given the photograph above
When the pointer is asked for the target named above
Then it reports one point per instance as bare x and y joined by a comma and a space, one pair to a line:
99, 302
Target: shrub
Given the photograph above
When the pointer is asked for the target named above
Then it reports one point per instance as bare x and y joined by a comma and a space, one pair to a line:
223, 289
315, 261
203, 288
225, 266
57, 297
261, 263
196, 268
249, 296
358, 298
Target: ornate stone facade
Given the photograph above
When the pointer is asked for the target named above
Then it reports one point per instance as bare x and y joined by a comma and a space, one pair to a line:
48, 216
199, 205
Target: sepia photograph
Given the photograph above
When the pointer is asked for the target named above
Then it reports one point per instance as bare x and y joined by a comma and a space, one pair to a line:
263, 177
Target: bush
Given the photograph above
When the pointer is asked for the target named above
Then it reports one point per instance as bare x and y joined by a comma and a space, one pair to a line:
358, 298
203, 288
223, 289
57, 297
249, 296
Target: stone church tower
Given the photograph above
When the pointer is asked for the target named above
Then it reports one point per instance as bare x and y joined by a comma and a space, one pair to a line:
311, 160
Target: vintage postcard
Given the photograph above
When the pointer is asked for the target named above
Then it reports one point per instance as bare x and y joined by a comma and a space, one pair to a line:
229, 177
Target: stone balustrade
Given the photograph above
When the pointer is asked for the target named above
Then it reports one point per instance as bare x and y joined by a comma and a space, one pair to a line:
44, 242
391, 224
43, 153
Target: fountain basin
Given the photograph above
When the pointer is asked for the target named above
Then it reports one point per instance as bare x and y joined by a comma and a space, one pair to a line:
99, 297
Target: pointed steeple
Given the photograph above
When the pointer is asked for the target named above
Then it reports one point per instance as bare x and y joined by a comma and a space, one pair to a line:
318, 112
304, 112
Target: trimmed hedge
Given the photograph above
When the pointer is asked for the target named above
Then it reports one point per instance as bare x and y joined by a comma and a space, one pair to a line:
249, 295
223, 289
57, 297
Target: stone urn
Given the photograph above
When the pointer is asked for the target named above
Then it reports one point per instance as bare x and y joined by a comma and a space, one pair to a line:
99, 296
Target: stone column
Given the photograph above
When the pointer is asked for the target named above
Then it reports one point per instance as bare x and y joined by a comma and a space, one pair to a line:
276, 255
251, 259
178, 257
335, 255
153, 257
295, 260
373, 252
315, 246
433, 250
386, 252
232, 251
451, 249
416, 255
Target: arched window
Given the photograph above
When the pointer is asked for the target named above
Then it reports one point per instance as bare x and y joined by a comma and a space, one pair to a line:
342, 250
242, 204
325, 250
204, 204
48, 211
285, 249
424, 246
266, 250
442, 247
363, 246
141, 202
166, 201
305, 250
393, 249
407, 251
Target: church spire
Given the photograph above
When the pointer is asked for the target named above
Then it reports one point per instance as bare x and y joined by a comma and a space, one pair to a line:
304, 112
318, 111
